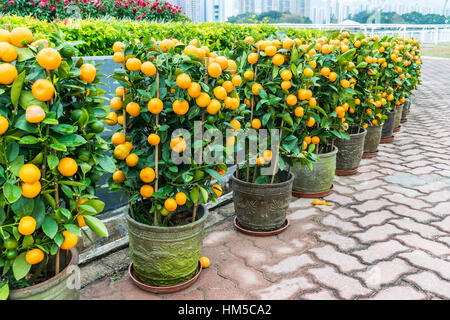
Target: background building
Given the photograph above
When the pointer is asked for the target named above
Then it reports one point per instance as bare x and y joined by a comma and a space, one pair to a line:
319, 11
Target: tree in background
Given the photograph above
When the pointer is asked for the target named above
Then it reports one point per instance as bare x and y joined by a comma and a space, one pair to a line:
392, 17
269, 17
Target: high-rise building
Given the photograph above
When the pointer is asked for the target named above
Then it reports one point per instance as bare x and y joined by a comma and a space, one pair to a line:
214, 10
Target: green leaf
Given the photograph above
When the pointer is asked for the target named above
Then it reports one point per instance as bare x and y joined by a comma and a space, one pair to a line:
50, 227
24, 54
16, 165
73, 229
21, 267
96, 226
72, 140
27, 99
52, 161
58, 147
64, 128
23, 207
17, 88
38, 212
215, 175
107, 163
194, 195
12, 151
11, 192
2, 215
204, 194
29, 140
91, 207
72, 183
4, 291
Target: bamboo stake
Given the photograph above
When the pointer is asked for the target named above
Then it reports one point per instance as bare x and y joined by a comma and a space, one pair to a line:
278, 153
155, 221
251, 113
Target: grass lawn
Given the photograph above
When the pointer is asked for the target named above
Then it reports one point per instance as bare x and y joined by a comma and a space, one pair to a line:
441, 50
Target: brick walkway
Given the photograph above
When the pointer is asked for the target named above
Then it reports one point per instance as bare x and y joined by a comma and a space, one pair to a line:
387, 235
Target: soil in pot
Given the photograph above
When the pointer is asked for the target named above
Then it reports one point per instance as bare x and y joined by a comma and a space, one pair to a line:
350, 152
372, 140
50, 286
167, 256
388, 127
317, 182
262, 207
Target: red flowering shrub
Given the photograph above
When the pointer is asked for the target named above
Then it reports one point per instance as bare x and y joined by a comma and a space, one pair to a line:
82, 9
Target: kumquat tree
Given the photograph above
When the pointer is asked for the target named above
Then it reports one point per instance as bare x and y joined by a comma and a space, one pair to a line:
272, 79
166, 86
328, 94
51, 156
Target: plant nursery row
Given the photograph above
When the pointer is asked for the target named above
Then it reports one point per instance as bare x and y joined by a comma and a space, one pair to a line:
325, 100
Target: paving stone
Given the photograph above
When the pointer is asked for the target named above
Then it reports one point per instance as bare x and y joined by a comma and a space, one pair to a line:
372, 205
285, 289
381, 250
346, 286
424, 230
289, 264
393, 188
444, 224
345, 262
370, 194
437, 197
418, 215
303, 213
374, 218
344, 226
430, 282
415, 241
252, 255
217, 238
321, 295
424, 261
339, 199
378, 233
342, 242
384, 273
442, 209
399, 293
413, 203
244, 277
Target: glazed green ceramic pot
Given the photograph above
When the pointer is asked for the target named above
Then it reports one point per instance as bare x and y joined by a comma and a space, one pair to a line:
64, 286
372, 140
398, 115
166, 256
350, 151
320, 178
262, 207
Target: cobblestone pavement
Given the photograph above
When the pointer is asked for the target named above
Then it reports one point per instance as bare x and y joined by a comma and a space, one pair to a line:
386, 236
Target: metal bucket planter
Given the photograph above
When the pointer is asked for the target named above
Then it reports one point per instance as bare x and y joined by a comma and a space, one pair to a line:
262, 207
388, 129
398, 117
406, 107
166, 256
372, 141
63, 286
318, 182
350, 154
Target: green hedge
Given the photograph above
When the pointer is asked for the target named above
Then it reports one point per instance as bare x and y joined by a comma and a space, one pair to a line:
100, 35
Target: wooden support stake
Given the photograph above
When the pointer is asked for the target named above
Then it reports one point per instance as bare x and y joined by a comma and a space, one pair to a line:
275, 169
155, 222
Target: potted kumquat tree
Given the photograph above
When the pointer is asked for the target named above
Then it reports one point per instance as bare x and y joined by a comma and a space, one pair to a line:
329, 62
165, 87
51, 158
261, 194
